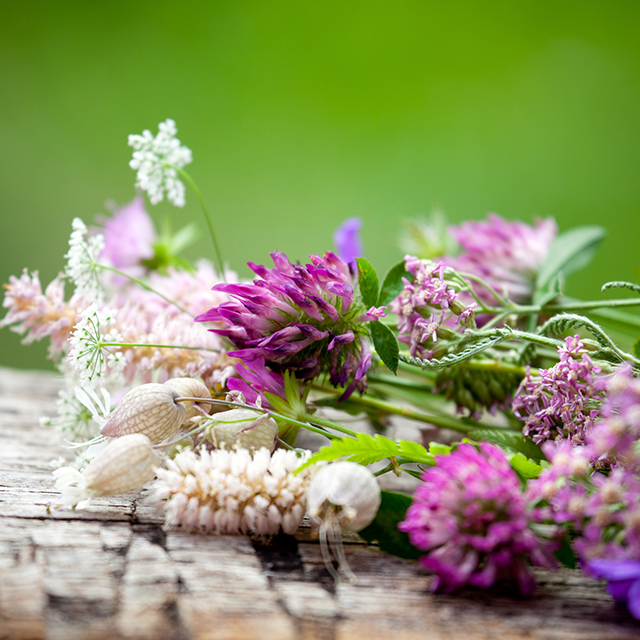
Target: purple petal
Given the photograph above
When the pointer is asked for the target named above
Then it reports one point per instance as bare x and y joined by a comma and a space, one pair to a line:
633, 603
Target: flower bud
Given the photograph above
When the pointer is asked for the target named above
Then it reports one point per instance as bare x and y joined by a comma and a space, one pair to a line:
191, 388
245, 428
149, 409
344, 490
125, 464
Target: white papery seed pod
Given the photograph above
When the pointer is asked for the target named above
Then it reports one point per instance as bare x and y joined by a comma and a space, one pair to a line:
149, 409
191, 388
346, 492
125, 464
244, 428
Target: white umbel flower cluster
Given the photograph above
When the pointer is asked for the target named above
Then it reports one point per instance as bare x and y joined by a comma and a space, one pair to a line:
82, 260
156, 159
90, 353
224, 491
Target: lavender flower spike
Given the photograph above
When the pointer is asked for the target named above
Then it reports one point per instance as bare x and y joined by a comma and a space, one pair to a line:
347, 241
472, 519
300, 318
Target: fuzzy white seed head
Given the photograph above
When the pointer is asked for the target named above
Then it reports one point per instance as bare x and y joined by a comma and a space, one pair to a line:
191, 388
149, 409
345, 491
125, 464
244, 428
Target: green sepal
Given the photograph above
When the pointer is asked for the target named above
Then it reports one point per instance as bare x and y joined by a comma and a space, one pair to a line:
393, 286
386, 344
384, 528
280, 405
368, 281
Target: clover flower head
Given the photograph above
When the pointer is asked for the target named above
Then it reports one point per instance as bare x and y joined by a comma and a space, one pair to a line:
83, 260
156, 160
472, 519
506, 255
92, 350
303, 318
428, 302
223, 491
561, 401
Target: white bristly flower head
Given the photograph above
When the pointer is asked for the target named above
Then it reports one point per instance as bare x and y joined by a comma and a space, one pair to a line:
156, 159
90, 353
224, 491
82, 260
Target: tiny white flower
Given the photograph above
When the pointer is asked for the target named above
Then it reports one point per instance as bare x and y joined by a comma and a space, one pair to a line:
91, 353
156, 160
82, 260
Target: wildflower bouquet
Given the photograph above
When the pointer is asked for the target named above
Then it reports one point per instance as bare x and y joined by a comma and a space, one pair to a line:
214, 378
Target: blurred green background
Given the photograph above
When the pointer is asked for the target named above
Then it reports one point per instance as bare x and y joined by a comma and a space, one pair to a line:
303, 113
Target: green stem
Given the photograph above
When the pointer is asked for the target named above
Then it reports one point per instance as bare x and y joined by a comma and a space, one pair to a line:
144, 286
329, 424
155, 346
567, 306
488, 287
444, 422
216, 247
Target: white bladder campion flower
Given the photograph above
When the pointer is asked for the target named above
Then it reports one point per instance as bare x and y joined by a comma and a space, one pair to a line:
82, 260
224, 491
90, 352
125, 464
156, 160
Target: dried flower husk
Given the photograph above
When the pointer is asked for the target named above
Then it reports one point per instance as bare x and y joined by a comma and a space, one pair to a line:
149, 409
243, 428
125, 464
345, 491
191, 388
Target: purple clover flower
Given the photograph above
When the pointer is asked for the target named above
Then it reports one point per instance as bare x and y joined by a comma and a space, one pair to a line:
561, 402
472, 519
303, 318
347, 241
624, 580
506, 255
427, 303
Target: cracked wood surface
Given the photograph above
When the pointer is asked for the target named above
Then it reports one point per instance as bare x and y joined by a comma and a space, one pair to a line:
110, 571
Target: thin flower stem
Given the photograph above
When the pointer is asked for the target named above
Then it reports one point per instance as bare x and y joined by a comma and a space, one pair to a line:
216, 247
155, 346
489, 288
144, 286
444, 422
242, 405
577, 305
330, 425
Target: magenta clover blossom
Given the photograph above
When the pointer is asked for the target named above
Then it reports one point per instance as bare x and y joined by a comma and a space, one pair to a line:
472, 519
303, 318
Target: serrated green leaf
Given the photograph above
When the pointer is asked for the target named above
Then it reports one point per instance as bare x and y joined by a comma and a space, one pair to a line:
525, 468
366, 449
570, 251
386, 344
509, 440
384, 528
392, 286
368, 281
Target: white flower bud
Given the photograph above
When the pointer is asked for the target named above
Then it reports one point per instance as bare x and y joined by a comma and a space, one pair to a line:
245, 428
191, 388
125, 464
345, 491
149, 409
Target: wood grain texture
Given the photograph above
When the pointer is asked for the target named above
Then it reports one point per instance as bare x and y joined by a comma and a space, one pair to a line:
110, 572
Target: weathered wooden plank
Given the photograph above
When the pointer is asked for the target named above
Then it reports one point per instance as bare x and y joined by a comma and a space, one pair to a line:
111, 572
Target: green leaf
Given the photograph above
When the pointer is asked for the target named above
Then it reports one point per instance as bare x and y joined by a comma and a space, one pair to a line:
392, 286
291, 388
366, 449
277, 403
386, 344
565, 555
636, 348
509, 440
570, 251
384, 528
525, 468
368, 281
438, 449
